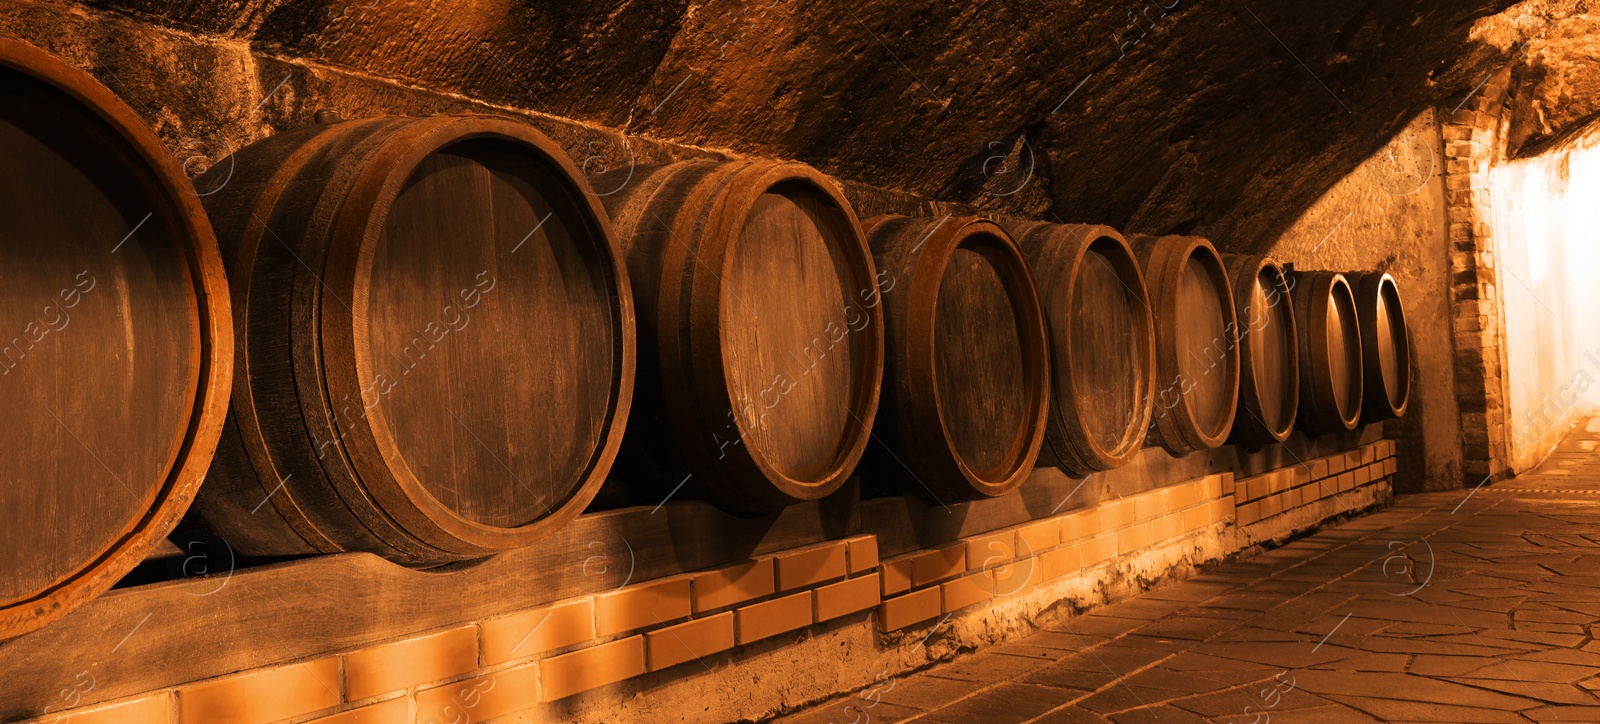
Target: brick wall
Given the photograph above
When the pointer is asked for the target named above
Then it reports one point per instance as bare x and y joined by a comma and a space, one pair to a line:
1283, 490
1473, 139
921, 585
682, 625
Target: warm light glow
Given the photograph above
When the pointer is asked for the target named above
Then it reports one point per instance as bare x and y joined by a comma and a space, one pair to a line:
1546, 214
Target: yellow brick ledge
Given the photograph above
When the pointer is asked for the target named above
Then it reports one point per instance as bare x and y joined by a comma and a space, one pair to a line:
658, 635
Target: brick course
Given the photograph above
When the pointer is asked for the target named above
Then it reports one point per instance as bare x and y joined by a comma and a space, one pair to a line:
1472, 139
518, 661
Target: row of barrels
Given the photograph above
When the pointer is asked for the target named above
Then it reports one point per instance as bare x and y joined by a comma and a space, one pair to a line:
430, 339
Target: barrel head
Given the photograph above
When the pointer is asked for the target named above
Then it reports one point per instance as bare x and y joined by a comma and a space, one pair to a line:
794, 337
1204, 338
1385, 345
1108, 372
979, 369
1269, 372
490, 334
113, 339
1342, 336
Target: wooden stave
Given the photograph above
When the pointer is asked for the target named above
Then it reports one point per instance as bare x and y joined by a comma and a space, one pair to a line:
1161, 260
350, 500
259, 445
910, 433
1054, 251
1318, 413
162, 180
323, 511
1376, 404
1249, 425
674, 220
327, 509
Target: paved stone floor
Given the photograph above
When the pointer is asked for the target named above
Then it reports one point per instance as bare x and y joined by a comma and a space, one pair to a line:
1469, 606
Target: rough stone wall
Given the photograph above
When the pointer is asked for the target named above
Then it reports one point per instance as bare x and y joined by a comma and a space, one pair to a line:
1557, 88
1389, 215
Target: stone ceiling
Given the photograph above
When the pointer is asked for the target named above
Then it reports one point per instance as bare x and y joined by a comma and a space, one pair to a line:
1218, 117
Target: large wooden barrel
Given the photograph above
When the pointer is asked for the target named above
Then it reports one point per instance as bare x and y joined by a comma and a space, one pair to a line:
1269, 351
115, 339
1385, 346
435, 346
966, 390
1102, 344
761, 345
1330, 352
1197, 359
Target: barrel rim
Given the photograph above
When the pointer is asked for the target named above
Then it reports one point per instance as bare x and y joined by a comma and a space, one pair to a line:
922, 300
1067, 245
178, 206
1352, 418
1180, 433
1373, 286
259, 452
1321, 290
1245, 271
722, 229
383, 471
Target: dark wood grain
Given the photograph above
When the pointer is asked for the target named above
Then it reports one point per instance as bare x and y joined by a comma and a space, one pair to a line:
966, 389
1344, 359
522, 321
1385, 346
1110, 357
980, 371
1269, 364
438, 341
1196, 332
761, 338
113, 382
1204, 337
1102, 344
1272, 351
772, 329
1330, 353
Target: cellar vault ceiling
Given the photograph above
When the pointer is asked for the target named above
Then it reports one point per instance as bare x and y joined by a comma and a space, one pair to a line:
1216, 117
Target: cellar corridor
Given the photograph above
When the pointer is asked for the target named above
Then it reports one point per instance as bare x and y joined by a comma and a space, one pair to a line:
1465, 606
709, 361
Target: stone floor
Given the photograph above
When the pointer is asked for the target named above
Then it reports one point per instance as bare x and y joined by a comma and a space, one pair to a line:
1470, 606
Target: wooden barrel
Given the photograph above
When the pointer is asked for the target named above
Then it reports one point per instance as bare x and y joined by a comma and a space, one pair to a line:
1385, 346
1330, 352
966, 391
1197, 359
114, 339
761, 349
1102, 344
435, 346
1269, 356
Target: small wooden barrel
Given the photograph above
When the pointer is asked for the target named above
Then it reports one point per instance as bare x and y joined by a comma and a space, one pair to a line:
762, 341
436, 341
1269, 357
1102, 344
115, 357
1385, 347
1330, 352
966, 392
1197, 360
